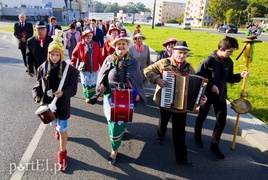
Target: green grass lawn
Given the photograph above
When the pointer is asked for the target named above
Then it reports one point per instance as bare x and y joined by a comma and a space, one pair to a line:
203, 44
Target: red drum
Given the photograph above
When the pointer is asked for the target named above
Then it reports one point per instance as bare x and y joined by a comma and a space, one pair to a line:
45, 114
120, 106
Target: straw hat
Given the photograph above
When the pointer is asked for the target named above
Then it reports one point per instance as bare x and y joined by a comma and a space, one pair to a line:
170, 40
84, 33
137, 36
182, 45
118, 38
113, 29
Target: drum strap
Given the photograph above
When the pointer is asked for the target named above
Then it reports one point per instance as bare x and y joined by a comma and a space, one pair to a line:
52, 105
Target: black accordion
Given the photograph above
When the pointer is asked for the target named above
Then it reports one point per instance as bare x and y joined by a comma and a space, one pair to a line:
183, 91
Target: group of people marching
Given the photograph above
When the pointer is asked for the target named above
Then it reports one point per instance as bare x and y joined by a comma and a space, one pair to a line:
121, 62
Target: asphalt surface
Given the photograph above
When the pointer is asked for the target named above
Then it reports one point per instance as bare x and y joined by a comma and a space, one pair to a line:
28, 148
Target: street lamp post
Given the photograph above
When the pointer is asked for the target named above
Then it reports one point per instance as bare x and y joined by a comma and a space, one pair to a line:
153, 15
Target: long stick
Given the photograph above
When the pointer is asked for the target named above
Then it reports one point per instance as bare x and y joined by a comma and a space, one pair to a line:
242, 92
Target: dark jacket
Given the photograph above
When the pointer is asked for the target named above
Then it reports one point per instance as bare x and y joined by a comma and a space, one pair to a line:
98, 37
25, 31
162, 55
218, 72
48, 29
35, 54
69, 89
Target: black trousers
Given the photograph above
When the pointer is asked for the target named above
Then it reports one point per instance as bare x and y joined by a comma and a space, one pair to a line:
178, 131
220, 108
23, 53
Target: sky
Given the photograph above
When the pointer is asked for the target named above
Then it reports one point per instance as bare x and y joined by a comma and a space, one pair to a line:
147, 3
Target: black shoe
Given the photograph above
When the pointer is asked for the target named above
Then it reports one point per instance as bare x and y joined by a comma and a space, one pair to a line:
160, 140
216, 150
93, 100
112, 160
199, 142
185, 163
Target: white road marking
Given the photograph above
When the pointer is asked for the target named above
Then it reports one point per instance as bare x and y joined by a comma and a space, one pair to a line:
29, 151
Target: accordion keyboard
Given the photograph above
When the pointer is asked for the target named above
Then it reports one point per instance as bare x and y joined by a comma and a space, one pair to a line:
167, 93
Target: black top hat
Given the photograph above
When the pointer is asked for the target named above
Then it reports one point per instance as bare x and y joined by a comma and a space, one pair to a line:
181, 45
40, 24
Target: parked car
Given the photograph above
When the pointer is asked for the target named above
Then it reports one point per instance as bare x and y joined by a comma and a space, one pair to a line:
185, 26
228, 28
159, 24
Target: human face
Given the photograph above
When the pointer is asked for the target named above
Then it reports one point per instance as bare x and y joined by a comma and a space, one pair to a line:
41, 32
114, 34
226, 53
179, 55
88, 37
54, 22
170, 47
93, 24
121, 47
139, 41
54, 57
22, 18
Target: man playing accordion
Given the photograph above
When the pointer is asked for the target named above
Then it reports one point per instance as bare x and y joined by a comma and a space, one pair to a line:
153, 73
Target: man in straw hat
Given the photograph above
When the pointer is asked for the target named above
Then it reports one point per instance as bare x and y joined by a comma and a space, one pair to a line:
177, 63
49, 75
37, 46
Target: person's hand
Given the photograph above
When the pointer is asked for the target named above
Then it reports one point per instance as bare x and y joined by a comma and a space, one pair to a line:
58, 94
215, 89
203, 100
162, 83
102, 88
37, 99
31, 74
244, 74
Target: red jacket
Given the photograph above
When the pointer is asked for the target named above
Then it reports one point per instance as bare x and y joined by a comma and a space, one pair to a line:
80, 54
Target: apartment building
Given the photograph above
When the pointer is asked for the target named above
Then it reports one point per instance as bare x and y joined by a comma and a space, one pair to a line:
168, 10
63, 10
195, 13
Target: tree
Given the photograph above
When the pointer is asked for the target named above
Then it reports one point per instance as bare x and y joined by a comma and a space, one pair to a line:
218, 8
99, 7
258, 8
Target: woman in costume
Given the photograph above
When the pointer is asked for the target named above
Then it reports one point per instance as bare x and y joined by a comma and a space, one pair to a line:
88, 59
107, 49
141, 52
119, 69
167, 51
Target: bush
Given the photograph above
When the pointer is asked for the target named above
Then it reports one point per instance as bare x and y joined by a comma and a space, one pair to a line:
172, 21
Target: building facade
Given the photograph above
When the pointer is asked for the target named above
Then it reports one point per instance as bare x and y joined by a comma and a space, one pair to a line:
195, 13
64, 10
168, 10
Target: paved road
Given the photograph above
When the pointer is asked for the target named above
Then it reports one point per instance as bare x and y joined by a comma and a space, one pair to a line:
27, 141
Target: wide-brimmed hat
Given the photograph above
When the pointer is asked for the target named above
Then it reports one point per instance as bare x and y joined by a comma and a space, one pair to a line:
182, 45
137, 36
40, 24
170, 40
118, 38
84, 33
113, 29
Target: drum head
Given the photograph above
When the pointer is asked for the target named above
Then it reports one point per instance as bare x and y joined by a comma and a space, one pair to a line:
41, 109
